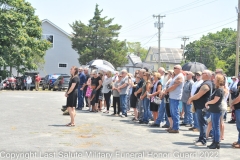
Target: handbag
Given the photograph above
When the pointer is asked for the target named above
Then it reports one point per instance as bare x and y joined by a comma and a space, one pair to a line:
109, 86
157, 100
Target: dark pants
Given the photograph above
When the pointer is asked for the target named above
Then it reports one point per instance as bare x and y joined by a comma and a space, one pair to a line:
202, 124
80, 98
116, 101
107, 99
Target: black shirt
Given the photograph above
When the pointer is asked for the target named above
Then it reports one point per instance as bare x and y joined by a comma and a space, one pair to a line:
74, 80
139, 85
200, 103
217, 107
95, 81
237, 106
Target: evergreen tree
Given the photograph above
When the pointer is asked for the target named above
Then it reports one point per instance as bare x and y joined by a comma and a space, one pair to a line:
98, 40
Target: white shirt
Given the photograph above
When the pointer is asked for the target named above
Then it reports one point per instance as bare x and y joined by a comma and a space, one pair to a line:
29, 80
195, 86
106, 81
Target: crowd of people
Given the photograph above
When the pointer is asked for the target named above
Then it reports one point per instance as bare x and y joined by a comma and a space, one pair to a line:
170, 99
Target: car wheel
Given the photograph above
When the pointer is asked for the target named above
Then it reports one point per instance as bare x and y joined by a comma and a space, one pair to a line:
22, 88
49, 88
43, 88
59, 88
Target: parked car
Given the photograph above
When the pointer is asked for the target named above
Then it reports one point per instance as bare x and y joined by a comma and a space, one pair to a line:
22, 80
48, 81
41, 81
61, 83
19, 83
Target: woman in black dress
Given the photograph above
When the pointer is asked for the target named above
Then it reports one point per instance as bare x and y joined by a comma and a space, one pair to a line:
71, 94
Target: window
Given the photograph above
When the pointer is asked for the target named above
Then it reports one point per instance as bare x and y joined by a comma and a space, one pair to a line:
48, 37
62, 65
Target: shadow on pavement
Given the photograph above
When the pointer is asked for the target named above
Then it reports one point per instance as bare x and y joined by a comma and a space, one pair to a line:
157, 131
191, 135
184, 143
58, 125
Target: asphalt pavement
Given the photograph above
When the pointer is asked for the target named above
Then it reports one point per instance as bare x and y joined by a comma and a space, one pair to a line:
33, 127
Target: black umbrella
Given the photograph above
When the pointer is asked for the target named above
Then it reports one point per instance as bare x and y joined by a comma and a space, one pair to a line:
194, 67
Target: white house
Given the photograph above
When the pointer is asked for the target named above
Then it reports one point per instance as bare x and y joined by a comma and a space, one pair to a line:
60, 57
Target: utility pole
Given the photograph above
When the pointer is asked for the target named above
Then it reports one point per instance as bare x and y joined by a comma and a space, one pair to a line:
184, 39
159, 25
237, 43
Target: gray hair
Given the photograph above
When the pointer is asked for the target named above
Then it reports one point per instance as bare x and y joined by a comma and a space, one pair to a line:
124, 71
142, 70
94, 71
208, 72
163, 69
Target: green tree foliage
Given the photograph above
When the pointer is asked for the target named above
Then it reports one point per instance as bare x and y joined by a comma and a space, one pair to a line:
97, 40
21, 45
135, 47
215, 50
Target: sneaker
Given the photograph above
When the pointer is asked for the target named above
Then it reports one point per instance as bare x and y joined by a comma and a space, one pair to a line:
123, 116
116, 115
192, 128
182, 124
188, 125
173, 131
155, 125
200, 144
135, 120
66, 112
232, 121
64, 109
165, 126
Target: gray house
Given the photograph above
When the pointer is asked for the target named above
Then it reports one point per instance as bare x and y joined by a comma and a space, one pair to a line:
60, 57
135, 63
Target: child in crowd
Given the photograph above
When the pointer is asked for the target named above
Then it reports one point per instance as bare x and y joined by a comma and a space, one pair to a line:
93, 99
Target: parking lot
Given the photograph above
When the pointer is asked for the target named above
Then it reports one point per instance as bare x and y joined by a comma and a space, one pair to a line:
32, 125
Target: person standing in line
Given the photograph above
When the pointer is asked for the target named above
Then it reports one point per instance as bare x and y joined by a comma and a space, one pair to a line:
202, 96
123, 90
214, 107
85, 86
146, 101
133, 98
175, 94
37, 82
188, 117
233, 88
116, 96
29, 82
155, 92
71, 94
107, 91
235, 105
137, 93
162, 107
195, 86
82, 78
98, 82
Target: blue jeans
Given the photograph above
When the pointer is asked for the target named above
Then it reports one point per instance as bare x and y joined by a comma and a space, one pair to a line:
188, 117
162, 114
202, 123
123, 103
174, 104
237, 115
80, 98
146, 110
195, 121
215, 117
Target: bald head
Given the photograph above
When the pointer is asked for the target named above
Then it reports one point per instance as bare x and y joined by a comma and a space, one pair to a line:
161, 70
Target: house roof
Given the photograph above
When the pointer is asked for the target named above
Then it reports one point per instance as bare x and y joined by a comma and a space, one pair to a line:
170, 55
137, 62
54, 25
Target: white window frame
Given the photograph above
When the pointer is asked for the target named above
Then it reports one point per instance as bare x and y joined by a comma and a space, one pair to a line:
63, 63
46, 39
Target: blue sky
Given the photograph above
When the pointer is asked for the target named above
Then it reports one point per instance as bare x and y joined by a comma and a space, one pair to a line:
191, 18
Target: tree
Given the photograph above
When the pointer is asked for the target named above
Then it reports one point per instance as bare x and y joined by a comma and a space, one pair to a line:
215, 50
135, 47
21, 44
97, 40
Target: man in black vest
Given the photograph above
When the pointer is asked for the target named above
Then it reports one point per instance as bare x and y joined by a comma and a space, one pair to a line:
202, 95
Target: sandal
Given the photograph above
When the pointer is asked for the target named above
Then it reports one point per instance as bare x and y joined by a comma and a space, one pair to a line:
106, 112
68, 124
71, 125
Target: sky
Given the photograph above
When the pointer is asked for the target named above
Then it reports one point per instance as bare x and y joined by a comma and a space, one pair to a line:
190, 18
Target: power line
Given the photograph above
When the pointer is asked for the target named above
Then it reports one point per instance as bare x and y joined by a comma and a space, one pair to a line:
192, 8
202, 26
149, 40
